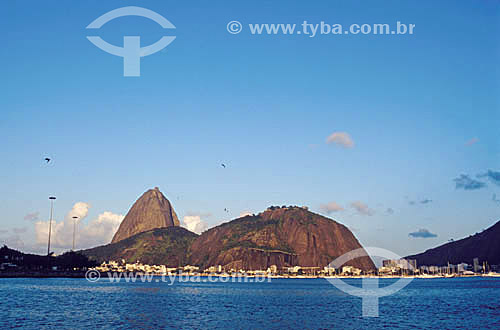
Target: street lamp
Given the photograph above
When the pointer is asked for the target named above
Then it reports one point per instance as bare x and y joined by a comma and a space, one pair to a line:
74, 230
52, 199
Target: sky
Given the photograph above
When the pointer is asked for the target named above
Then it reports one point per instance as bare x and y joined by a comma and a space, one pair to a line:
395, 136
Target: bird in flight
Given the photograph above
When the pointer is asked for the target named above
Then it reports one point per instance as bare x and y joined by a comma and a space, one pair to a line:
223, 165
226, 210
47, 160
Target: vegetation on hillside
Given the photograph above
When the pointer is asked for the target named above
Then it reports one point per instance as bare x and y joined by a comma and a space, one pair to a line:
161, 246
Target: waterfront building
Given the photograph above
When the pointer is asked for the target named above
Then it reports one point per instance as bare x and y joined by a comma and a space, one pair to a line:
350, 270
477, 267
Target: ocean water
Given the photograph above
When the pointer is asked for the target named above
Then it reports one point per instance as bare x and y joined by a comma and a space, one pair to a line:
458, 303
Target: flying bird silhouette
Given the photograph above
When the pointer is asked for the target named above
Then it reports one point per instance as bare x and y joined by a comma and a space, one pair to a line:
223, 165
47, 160
226, 210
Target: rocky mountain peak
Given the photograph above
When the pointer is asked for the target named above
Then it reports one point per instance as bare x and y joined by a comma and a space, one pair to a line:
152, 210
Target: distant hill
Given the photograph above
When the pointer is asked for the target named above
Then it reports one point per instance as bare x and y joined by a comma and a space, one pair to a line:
162, 246
152, 210
285, 236
27, 261
484, 245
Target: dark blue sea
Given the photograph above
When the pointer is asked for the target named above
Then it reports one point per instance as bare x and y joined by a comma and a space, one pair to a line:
457, 303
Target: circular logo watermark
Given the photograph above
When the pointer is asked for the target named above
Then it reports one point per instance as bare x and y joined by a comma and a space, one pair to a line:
234, 27
132, 51
92, 275
370, 291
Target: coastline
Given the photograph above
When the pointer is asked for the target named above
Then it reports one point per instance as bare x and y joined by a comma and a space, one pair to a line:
82, 275
42, 274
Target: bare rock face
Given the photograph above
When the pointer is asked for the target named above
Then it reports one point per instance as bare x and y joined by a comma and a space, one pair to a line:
289, 236
152, 210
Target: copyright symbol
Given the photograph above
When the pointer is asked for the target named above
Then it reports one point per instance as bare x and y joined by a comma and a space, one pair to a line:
234, 27
92, 275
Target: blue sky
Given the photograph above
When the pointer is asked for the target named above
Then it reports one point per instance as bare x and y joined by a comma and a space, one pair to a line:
422, 110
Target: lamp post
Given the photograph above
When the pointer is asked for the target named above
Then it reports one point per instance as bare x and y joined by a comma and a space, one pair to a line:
52, 199
74, 230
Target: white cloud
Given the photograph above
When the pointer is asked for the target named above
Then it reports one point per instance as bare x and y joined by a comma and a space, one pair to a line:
101, 230
331, 207
32, 216
42, 232
79, 210
194, 223
341, 138
422, 233
362, 208
96, 232
13, 242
